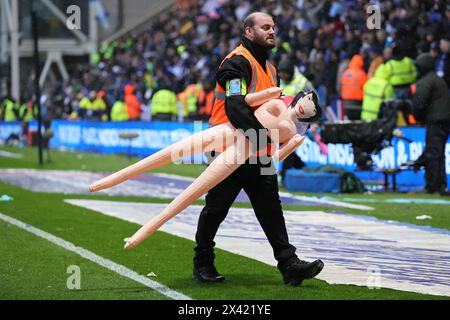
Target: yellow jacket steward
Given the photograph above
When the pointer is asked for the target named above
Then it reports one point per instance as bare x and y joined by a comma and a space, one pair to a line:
401, 72
164, 101
193, 92
119, 111
298, 83
376, 90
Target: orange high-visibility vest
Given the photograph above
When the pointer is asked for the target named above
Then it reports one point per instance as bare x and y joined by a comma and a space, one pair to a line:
261, 79
352, 83
411, 118
206, 102
182, 98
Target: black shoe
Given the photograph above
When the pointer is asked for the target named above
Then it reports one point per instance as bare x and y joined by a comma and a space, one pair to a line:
207, 273
301, 270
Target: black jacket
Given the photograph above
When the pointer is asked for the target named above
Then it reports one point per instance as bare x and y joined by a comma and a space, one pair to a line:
239, 113
431, 102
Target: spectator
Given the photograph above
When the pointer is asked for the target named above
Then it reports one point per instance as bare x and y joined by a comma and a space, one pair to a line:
9, 110
206, 100
192, 38
318, 69
192, 92
402, 73
86, 107
343, 65
431, 104
119, 111
164, 105
100, 108
352, 82
291, 80
443, 60
376, 90
376, 60
133, 104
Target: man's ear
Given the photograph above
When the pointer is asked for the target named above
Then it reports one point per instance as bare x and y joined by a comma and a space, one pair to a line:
249, 33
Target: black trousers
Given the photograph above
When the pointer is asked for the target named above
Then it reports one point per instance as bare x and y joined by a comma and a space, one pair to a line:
352, 109
434, 157
259, 181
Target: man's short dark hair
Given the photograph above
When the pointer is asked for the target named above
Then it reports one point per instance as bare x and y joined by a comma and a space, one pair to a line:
249, 21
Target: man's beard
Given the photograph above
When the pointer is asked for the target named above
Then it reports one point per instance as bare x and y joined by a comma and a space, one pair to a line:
263, 42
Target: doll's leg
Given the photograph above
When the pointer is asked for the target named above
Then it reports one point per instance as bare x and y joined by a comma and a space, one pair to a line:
224, 165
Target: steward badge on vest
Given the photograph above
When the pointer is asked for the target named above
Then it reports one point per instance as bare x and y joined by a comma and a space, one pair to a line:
236, 87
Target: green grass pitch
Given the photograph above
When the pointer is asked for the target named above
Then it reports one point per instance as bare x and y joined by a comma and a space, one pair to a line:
33, 268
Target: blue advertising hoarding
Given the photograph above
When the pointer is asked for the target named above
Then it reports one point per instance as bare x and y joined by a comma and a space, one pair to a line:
103, 137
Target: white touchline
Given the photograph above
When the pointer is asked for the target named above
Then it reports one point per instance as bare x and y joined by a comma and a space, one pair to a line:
174, 176
332, 202
108, 264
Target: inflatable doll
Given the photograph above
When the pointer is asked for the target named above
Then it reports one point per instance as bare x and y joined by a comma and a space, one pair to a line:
286, 120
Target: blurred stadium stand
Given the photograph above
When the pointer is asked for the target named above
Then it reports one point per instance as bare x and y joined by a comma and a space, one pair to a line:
99, 20
172, 44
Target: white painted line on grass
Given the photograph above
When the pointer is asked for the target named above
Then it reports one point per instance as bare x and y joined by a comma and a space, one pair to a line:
328, 201
8, 154
174, 176
108, 264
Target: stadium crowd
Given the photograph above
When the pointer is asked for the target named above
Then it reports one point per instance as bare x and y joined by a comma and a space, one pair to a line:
167, 71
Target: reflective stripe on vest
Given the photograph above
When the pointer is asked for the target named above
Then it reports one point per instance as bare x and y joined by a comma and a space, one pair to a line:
272, 70
119, 111
220, 95
350, 85
86, 103
401, 72
207, 104
164, 101
374, 95
192, 95
10, 111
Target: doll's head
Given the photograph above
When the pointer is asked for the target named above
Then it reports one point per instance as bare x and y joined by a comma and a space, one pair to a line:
306, 105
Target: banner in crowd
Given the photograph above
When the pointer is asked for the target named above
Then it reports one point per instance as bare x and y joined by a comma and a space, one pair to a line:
9, 128
105, 137
110, 137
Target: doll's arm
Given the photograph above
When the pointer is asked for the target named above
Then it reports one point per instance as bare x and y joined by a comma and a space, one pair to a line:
288, 147
258, 98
